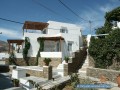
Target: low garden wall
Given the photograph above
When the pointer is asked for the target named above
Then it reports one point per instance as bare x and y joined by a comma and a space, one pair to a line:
21, 62
96, 72
35, 73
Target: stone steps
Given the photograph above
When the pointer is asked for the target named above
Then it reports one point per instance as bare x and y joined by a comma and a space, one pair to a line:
51, 84
56, 76
56, 82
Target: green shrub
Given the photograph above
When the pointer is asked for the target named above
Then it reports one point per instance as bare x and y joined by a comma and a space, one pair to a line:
47, 61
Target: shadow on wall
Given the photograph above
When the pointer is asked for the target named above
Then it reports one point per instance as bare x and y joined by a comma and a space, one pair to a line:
78, 60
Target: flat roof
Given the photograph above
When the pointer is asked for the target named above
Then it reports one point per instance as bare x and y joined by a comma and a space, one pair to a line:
35, 25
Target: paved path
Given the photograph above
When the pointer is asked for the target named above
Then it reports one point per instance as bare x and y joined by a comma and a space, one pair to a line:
5, 81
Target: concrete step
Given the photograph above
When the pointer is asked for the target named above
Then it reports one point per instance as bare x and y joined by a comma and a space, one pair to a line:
83, 69
85, 65
60, 66
54, 73
82, 73
56, 76
56, 82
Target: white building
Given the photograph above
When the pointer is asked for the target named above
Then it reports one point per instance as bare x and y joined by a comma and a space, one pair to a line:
116, 24
60, 39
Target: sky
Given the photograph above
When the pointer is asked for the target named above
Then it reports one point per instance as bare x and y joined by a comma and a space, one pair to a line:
33, 10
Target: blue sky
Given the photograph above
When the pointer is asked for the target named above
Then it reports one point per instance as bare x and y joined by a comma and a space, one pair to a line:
22, 10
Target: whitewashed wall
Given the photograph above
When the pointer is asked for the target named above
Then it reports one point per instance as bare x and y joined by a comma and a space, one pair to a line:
118, 24
54, 28
2, 55
51, 54
74, 35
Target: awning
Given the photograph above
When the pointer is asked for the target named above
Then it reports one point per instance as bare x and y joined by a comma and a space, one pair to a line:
17, 41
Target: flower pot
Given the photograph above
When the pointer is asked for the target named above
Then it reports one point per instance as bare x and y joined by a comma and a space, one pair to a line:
66, 61
47, 61
46, 64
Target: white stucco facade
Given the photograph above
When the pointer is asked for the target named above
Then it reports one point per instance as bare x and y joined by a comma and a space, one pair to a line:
70, 32
118, 24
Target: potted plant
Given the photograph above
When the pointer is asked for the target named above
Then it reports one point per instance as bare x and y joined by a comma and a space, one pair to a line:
67, 59
16, 82
47, 61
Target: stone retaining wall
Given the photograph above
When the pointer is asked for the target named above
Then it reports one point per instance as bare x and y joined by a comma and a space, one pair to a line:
91, 61
32, 62
54, 62
21, 62
35, 73
96, 72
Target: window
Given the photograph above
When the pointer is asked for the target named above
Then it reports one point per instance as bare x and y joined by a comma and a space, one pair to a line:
58, 45
63, 30
69, 46
44, 31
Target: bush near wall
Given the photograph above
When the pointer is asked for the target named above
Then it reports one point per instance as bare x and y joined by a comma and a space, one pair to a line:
106, 49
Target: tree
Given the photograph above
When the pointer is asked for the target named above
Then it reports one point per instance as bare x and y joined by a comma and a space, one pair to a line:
105, 49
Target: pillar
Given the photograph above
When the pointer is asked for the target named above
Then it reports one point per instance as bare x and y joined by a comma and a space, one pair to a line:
47, 72
66, 69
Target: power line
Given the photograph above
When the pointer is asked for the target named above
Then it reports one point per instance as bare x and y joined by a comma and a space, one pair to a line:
72, 10
50, 9
11, 21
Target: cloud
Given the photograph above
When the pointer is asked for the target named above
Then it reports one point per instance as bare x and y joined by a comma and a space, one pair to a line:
10, 33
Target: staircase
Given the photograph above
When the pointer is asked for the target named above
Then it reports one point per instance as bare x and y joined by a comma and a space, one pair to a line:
82, 71
55, 74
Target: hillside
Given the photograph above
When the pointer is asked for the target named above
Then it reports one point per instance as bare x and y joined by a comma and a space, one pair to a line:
3, 46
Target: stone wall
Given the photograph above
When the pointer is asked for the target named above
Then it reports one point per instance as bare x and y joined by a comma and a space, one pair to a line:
96, 72
54, 62
35, 73
21, 62
91, 61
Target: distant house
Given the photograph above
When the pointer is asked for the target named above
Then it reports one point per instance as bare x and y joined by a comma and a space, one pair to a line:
60, 39
116, 24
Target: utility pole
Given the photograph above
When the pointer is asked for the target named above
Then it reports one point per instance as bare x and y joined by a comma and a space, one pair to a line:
90, 23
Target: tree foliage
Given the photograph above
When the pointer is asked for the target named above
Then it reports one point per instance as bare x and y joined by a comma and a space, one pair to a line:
26, 48
105, 49
41, 48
